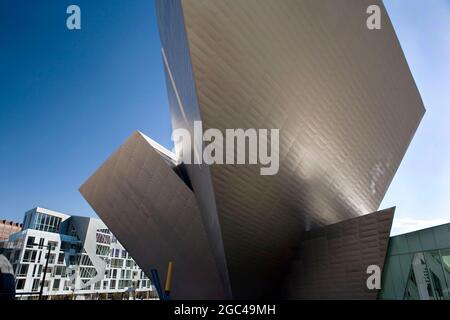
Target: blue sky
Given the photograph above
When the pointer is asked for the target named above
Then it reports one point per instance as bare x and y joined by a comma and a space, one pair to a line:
421, 187
68, 99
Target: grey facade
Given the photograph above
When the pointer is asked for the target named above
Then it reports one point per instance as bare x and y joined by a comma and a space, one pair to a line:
138, 192
332, 262
342, 96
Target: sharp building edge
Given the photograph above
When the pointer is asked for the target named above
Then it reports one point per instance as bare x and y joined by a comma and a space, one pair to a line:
341, 95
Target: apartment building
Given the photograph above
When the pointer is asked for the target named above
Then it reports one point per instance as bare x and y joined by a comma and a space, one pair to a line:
84, 260
7, 228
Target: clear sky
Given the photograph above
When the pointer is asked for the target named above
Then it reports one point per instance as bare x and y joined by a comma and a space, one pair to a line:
68, 99
421, 187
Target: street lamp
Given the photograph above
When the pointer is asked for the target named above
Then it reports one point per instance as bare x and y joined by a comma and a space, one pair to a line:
49, 249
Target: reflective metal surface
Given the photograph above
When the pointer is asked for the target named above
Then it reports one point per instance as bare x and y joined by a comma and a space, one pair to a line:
331, 262
342, 96
141, 199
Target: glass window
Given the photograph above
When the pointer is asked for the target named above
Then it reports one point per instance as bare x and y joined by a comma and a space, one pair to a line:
26, 256
41, 243
56, 284
53, 244
427, 239
102, 250
442, 236
36, 285
61, 258
436, 273
413, 240
23, 270
445, 257
20, 284
29, 256
30, 242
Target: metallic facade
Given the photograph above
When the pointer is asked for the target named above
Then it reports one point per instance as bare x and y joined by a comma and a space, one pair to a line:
140, 197
331, 262
342, 96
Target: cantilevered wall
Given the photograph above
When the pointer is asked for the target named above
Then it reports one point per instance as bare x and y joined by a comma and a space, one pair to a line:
342, 96
331, 262
154, 214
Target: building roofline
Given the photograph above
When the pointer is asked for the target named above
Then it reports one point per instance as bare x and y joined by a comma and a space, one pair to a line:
427, 228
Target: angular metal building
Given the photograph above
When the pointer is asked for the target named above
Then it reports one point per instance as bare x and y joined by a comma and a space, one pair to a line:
347, 108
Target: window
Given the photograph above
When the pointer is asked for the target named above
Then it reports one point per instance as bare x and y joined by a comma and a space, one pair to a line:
20, 284
56, 284
23, 270
85, 260
74, 260
51, 260
116, 263
102, 250
60, 271
65, 245
53, 244
103, 238
45, 222
30, 242
29, 256
87, 272
36, 285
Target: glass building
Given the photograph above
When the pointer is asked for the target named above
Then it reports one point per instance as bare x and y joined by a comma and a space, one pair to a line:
418, 266
43, 220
